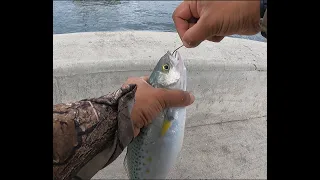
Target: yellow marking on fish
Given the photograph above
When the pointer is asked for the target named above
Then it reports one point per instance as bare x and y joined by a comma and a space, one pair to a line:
166, 125
147, 171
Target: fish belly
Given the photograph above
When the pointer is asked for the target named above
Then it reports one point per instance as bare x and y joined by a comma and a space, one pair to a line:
151, 156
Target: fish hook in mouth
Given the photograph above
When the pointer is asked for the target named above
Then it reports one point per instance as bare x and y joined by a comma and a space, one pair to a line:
176, 50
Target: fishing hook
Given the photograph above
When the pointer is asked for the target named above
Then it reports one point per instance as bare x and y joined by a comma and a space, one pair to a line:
176, 49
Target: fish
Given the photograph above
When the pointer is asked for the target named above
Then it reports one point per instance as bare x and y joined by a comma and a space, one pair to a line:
154, 152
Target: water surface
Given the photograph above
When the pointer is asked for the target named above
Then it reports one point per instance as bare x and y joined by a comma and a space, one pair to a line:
90, 16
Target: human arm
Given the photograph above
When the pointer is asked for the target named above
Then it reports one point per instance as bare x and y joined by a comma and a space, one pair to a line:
263, 15
90, 134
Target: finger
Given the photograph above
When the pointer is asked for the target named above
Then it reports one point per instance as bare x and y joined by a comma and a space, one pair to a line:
191, 24
130, 80
146, 78
215, 38
197, 33
137, 80
180, 17
176, 98
136, 132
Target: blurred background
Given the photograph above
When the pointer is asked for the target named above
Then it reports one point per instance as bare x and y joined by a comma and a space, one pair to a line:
115, 15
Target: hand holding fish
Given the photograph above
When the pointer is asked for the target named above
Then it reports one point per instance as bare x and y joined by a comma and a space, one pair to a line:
108, 121
150, 101
197, 21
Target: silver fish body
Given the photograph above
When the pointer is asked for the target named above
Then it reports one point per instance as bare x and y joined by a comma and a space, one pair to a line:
153, 153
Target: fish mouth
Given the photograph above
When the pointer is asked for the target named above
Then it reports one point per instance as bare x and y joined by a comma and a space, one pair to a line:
180, 66
178, 61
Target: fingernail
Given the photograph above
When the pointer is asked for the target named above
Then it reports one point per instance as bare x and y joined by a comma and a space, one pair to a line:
186, 44
192, 98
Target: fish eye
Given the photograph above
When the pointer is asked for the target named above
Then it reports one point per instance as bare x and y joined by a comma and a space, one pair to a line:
165, 67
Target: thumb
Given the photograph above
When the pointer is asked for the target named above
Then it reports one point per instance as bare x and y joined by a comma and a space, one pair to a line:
175, 98
197, 33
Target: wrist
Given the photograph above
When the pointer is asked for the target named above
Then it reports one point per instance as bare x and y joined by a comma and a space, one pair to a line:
263, 7
263, 16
